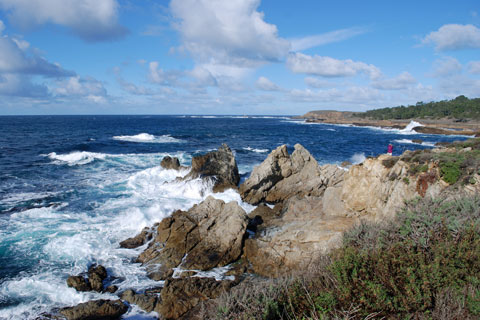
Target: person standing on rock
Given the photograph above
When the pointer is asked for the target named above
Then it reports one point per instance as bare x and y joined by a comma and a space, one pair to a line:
390, 149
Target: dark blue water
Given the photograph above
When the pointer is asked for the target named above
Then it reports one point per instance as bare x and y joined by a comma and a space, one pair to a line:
71, 187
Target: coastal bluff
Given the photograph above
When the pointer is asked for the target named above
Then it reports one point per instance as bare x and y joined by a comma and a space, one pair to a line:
301, 212
450, 126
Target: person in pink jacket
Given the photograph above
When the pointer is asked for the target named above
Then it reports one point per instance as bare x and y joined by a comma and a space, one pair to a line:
390, 149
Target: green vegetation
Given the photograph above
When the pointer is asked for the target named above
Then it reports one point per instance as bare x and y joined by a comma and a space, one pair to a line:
423, 265
459, 163
459, 108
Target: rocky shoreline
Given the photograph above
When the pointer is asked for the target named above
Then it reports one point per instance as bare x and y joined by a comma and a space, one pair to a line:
429, 126
302, 211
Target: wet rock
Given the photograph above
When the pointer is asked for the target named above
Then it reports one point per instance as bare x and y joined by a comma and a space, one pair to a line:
95, 309
146, 302
94, 281
282, 176
181, 295
419, 141
139, 240
111, 289
220, 165
208, 235
170, 163
79, 283
96, 275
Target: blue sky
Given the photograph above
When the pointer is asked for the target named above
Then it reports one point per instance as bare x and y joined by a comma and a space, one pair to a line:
235, 56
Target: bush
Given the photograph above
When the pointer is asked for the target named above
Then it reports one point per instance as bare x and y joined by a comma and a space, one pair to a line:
424, 265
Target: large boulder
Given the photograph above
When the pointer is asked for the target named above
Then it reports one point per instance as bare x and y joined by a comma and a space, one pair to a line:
219, 165
208, 235
94, 281
282, 176
95, 310
181, 295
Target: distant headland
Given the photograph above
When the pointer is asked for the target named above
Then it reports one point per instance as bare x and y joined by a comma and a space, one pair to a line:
459, 116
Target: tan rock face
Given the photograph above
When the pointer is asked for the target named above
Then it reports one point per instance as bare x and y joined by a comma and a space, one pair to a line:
282, 176
320, 203
208, 235
95, 309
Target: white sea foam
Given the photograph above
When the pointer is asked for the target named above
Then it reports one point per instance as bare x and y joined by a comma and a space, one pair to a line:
255, 150
76, 157
148, 138
358, 158
408, 141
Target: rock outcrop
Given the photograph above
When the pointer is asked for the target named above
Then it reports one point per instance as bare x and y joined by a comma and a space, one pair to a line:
316, 204
139, 240
170, 163
96, 275
95, 309
219, 165
146, 302
208, 235
282, 176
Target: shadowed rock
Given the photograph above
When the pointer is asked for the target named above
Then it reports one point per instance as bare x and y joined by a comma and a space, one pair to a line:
170, 163
95, 309
220, 165
181, 295
139, 240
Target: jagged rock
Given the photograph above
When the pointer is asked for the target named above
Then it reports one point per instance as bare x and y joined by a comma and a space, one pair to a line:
79, 283
170, 163
95, 309
281, 176
220, 165
96, 275
181, 295
208, 235
146, 302
139, 240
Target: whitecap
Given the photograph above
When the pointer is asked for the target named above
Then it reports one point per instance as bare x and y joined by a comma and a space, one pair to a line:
408, 141
148, 138
76, 157
358, 158
255, 150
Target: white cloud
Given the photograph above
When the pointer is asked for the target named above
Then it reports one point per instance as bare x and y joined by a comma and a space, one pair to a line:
400, 82
14, 59
299, 44
20, 85
446, 66
329, 67
317, 83
82, 87
266, 84
454, 37
227, 33
2, 26
474, 67
92, 20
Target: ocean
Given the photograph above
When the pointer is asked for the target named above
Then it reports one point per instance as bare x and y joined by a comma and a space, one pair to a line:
73, 187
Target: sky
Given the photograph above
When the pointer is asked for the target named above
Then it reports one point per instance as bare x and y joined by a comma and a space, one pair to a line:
265, 57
